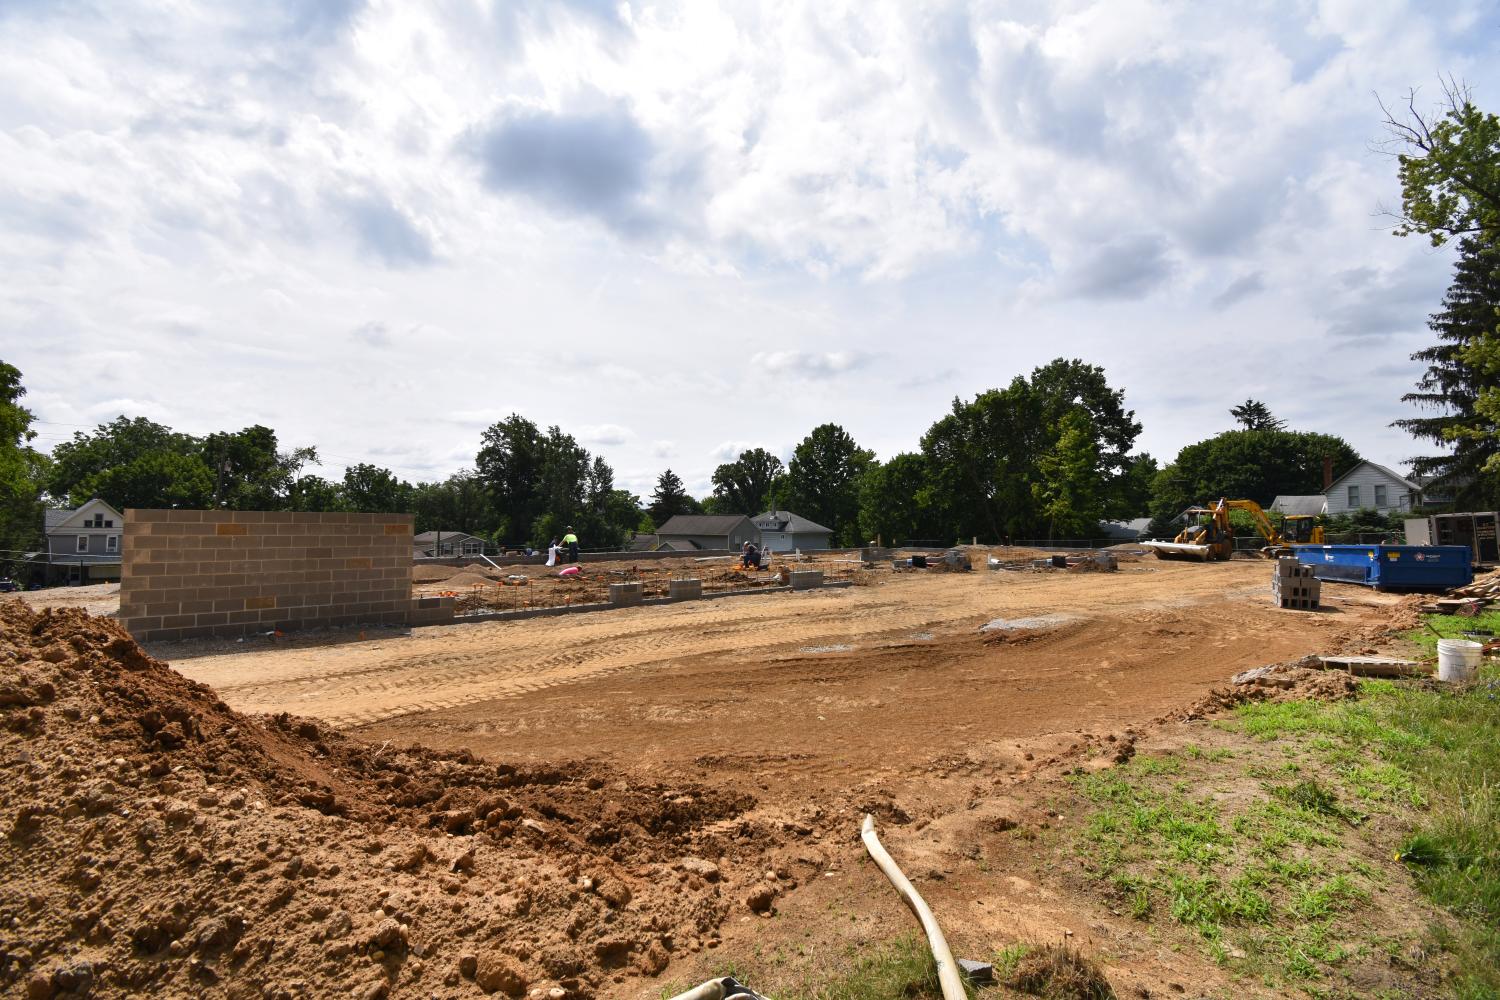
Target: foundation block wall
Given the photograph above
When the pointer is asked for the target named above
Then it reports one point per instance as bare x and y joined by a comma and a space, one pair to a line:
193, 573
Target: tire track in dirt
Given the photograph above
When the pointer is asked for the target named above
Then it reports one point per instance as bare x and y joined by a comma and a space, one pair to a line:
441, 669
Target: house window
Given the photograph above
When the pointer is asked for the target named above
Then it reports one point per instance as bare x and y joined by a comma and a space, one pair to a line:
1380, 498
81, 544
112, 543
1354, 498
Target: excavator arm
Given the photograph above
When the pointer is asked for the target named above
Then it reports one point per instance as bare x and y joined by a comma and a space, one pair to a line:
1262, 522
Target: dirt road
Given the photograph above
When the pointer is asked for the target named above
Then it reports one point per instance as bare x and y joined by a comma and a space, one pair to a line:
807, 684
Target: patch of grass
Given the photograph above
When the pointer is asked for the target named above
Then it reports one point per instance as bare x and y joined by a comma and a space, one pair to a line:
1452, 627
1056, 972
1433, 748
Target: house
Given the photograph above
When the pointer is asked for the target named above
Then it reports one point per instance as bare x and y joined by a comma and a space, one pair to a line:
1294, 506
445, 544
1368, 486
643, 543
783, 531
1125, 531
692, 532
83, 545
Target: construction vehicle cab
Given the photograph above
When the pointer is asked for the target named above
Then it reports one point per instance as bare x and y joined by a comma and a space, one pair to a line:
1301, 529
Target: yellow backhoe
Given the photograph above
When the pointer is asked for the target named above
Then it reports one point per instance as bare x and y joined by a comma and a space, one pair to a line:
1209, 535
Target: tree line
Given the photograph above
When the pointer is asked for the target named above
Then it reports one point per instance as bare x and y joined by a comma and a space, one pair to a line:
1049, 455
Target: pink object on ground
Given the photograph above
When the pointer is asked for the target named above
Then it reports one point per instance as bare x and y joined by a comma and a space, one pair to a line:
570, 571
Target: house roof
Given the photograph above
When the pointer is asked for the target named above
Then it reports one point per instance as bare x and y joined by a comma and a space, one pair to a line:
1379, 468
1296, 505
52, 519
432, 536
701, 524
785, 520
643, 543
1133, 528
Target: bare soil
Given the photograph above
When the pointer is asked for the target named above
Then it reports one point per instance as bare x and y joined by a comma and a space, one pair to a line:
748, 735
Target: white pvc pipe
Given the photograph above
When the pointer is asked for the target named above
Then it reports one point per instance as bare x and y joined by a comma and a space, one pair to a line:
947, 969
711, 990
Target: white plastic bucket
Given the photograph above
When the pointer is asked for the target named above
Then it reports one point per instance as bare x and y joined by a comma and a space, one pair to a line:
1458, 659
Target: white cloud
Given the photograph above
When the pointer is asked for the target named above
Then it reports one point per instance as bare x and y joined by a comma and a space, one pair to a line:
392, 225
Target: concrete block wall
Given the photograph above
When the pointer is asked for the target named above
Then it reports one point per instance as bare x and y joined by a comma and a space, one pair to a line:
194, 573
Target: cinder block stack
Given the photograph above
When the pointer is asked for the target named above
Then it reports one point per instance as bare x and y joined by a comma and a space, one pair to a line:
1294, 586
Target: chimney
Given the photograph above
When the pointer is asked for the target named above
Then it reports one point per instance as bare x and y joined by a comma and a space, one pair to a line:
1327, 472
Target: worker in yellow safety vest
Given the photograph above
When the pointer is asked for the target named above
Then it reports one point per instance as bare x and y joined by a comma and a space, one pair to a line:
571, 541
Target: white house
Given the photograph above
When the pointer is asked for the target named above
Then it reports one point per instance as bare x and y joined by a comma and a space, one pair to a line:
1368, 486
84, 544
783, 531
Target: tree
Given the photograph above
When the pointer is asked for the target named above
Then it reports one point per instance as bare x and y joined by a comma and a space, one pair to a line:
314, 493
1069, 487
894, 501
458, 503
1451, 386
130, 462
669, 498
249, 472
1251, 465
369, 489
985, 456
1132, 493
509, 467
745, 484
21, 471
1449, 166
824, 478
1254, 415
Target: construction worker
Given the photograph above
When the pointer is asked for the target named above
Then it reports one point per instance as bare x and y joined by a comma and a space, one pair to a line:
749, 556
571, 541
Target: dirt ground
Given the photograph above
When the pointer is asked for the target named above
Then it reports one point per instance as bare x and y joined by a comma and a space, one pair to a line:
941, 702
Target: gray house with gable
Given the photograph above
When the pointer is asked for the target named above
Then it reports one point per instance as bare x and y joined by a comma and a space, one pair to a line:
83, 545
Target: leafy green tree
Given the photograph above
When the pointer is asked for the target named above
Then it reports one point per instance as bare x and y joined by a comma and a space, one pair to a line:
894, 501
509, 466
369, 489
1068, 490
249, 471
1251, 465
1449, 166
984, 457
669, 499
21, 471
315, 494
745, 484
1132, 492
1452, 386
458, 503
154, 466
823, 481
1253, 415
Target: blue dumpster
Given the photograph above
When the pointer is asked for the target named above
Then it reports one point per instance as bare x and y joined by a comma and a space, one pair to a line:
1391, 567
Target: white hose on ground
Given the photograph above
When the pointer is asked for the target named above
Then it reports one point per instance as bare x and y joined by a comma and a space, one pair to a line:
711, 990
947, 969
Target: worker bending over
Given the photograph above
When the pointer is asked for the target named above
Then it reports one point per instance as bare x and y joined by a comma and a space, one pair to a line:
750, 556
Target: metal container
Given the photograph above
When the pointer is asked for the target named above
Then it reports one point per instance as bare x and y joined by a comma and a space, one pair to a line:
1391, 567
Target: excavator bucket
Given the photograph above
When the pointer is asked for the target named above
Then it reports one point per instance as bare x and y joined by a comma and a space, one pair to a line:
1180, 550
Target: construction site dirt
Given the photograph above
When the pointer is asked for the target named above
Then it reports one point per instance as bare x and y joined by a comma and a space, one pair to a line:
663, 789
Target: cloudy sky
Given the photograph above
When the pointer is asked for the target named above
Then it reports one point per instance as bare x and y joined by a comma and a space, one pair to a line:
681, 230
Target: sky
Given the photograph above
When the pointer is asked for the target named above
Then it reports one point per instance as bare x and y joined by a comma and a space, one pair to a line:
681, 230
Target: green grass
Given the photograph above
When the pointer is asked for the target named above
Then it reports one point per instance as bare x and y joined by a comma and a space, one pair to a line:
1452, 627
1433, 748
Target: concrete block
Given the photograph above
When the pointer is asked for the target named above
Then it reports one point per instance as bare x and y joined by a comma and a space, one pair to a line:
685, 590
624, 595
807, 579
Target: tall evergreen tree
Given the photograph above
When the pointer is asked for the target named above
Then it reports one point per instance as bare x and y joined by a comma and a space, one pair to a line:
1451, 386
670, 499
1253, 415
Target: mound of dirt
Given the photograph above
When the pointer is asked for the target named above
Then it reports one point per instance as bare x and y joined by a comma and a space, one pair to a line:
1295, 681
157, 843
